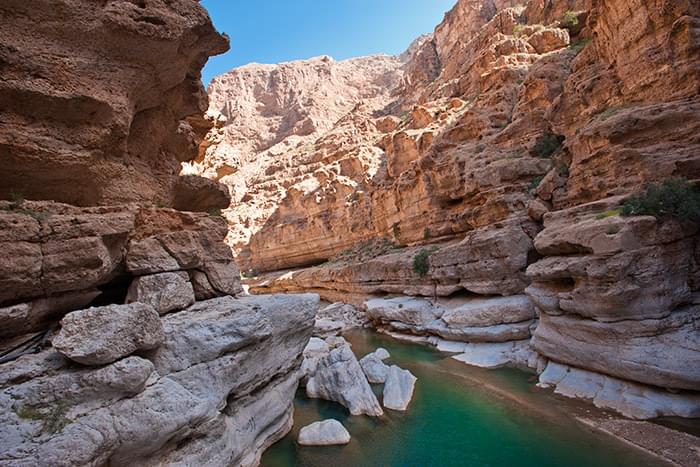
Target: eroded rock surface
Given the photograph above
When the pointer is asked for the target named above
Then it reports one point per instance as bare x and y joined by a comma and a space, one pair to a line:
398, 389
196, 399
105, 93
338, 377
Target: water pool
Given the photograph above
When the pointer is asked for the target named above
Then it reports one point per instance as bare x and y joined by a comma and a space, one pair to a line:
459, 416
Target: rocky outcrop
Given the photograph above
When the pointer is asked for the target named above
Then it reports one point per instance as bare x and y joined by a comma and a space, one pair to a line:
326, 433
107, 93
194, 399
468, 320
337, 376
63, 258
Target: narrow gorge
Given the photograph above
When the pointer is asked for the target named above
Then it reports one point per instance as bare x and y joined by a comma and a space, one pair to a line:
499, 227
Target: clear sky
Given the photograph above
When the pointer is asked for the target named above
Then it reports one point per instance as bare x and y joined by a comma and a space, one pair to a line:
272, 31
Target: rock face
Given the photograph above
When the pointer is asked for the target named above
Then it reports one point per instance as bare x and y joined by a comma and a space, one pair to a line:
107, 93
497, 174
216, 391
98, 336
469, 320
398, 389
325, 433
62, 258
165, 292
338, 377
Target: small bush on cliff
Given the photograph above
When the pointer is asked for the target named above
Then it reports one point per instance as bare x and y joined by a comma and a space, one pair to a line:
570, 18
536, 182
547, 145
420, 261
676, 199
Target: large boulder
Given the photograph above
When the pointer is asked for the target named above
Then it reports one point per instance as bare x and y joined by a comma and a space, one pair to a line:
339, 377
165, 292
325, 433
398, 389
374, 367
101, 335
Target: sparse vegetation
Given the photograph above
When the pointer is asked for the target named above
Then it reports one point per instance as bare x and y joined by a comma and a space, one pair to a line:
547, 145
570, 19
578, 46
364, 251
535, 182
216, 213
420, 261
606, 214
518, 30
426, 234
563, 169
396, 231
54, 420
16, 197
673, 199
250, 273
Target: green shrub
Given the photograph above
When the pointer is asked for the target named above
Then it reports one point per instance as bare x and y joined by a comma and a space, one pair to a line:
547, 145
216, 213
420, 261
518, 30
426, 234
606, 214
676, 199
396, 230
578, 46
536, 182
16, 197
570, 18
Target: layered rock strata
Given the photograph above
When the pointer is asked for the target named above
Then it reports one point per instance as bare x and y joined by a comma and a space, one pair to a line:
499, 168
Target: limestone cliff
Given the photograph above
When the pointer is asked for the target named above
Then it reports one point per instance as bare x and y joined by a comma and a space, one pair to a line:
497, 166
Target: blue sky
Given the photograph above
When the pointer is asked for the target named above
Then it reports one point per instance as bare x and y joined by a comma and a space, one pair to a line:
272, 31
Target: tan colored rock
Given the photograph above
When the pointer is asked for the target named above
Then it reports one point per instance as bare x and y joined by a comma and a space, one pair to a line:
114, 117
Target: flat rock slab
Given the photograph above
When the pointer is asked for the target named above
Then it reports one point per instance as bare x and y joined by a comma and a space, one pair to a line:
326, 433
398, 389
97, 336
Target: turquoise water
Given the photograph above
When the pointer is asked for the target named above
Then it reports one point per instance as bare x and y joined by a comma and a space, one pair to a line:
459, 416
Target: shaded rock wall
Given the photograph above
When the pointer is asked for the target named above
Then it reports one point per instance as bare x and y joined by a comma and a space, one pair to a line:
96, 96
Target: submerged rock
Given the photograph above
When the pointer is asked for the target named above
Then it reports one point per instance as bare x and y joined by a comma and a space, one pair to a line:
338, 377
326, 433
398, 389
105, 334
373, 366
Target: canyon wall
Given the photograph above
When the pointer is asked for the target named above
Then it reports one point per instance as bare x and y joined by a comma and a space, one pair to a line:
488, 177
100, 102
125, 335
